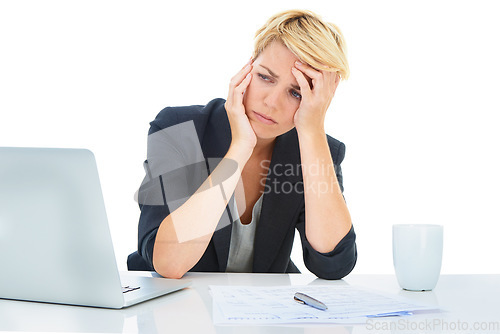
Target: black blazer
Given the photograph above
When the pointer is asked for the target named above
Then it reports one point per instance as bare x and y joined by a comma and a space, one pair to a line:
283, 210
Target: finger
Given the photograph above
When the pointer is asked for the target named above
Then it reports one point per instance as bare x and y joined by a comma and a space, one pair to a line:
334, 80
237, 79
305, 89
239, 91
309, 71
248, 65
330, 79
250, 62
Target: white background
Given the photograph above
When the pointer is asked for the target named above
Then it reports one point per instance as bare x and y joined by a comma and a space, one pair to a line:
418, 114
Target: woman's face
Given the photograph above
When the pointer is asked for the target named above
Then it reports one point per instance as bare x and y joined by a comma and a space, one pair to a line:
273, 96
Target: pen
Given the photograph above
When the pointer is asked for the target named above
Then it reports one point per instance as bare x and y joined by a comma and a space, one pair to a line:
310, 301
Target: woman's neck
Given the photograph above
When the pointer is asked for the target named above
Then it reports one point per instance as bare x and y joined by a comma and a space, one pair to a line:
264, 148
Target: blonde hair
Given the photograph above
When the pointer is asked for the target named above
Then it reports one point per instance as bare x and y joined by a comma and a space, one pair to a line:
315, 42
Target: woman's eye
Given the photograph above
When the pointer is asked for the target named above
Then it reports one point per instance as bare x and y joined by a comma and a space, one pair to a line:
264, 77
296, 94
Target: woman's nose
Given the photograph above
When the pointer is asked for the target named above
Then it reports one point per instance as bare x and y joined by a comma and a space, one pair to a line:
272, 99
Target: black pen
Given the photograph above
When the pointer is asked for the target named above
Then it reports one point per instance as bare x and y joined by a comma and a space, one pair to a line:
310, 301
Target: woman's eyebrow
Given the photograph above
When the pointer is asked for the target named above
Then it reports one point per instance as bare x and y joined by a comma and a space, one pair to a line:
270, 72
274, 75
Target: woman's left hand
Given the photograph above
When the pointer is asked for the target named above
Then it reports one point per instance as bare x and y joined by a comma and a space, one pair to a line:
317, 89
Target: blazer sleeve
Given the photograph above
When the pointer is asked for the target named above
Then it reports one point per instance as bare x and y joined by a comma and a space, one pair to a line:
175, 168
341, 260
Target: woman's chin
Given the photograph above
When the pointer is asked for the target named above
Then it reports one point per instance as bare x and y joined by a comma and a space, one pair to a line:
261, 132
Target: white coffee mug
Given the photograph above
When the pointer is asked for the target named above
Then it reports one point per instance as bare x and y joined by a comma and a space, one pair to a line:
417, 251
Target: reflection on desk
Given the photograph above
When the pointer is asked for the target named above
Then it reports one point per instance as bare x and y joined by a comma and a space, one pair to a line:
467, 301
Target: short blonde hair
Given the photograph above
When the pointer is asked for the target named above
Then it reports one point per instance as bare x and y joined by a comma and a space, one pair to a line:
315, 42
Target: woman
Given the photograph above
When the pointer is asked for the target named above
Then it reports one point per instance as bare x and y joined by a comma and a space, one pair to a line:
277, 169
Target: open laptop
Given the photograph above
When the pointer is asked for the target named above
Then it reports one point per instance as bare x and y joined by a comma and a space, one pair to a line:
55, 243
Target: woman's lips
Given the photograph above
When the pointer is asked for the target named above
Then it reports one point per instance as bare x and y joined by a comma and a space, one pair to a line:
264, 119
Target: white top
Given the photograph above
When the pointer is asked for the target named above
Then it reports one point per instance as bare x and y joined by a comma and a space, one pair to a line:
240, 258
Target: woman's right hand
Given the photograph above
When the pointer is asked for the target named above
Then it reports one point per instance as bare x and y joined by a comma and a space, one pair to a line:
243, 136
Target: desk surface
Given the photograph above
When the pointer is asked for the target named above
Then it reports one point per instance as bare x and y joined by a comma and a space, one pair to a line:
469, 304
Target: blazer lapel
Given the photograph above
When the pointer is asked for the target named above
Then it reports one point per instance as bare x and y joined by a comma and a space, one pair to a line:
281, 199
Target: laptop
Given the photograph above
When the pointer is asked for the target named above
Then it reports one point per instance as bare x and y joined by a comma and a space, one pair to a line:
55, 243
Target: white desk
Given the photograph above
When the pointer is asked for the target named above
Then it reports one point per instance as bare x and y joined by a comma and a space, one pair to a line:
466, 301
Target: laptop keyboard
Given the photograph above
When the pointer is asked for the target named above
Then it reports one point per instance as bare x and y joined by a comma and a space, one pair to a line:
127, 288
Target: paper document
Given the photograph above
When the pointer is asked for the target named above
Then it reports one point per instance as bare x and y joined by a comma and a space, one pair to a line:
275, 304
